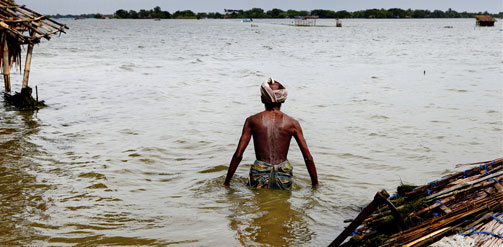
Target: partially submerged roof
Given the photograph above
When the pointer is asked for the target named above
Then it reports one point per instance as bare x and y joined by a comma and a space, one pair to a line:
307, 17
485, 18
25, 25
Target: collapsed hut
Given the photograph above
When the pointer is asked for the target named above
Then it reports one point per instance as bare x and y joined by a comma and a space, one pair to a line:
462, 207
484, 20
305, 21
20, 26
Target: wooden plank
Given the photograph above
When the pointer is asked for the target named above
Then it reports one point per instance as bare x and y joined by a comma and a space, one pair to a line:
27, 65
359, 219
431, 235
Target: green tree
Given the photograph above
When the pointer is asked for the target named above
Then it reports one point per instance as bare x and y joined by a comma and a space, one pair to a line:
438, 14
292, 13
215, 15
142, 14
397, 13
342, 14
121, 14
201, 15
132, 14
185, 14
276, 13
323, 13
157, 12
303, 13
255, 13
418, 13
371, 13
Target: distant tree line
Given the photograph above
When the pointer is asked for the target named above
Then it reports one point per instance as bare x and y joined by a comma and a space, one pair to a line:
278, 13
82, 16
157, 12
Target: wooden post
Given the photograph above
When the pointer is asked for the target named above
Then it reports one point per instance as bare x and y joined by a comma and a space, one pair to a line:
6, 63
378, 200
27, 65
36, 93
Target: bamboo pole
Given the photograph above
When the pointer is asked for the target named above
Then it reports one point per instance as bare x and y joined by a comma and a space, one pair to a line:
476, 163
460, 213
378, 200
431, 235
49, 19
14, 15
448, 179
5, 63
453, 189
27, 65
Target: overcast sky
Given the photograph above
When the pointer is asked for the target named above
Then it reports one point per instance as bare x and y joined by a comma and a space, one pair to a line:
110, 6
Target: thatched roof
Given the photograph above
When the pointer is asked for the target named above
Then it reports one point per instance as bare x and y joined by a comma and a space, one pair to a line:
485, 18
26, 26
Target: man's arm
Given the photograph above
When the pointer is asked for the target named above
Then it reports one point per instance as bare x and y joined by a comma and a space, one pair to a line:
308, 159
238, 155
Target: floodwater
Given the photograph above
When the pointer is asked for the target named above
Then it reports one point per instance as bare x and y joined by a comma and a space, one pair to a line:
144, 117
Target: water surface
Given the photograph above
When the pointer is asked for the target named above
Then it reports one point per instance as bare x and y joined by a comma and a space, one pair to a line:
144, 117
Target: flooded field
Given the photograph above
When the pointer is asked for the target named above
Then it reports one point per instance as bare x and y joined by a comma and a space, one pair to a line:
144, 117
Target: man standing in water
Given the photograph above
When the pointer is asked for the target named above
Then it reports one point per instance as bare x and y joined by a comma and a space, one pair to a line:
272, 131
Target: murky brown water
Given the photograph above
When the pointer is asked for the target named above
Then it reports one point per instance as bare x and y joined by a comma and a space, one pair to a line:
144, 116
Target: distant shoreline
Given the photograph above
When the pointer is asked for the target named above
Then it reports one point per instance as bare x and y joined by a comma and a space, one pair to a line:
258, 13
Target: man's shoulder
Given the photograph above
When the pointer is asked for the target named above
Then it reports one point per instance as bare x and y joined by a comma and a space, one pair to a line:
255, 116
286, 116
261, 114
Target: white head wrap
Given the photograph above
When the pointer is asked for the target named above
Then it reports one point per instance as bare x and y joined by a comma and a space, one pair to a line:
273, 96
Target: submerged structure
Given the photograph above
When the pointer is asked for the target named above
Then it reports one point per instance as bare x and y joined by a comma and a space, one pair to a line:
484, 20
20, 26
464, 208
305, 21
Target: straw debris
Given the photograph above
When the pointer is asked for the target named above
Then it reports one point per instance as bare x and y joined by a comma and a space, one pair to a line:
468, 202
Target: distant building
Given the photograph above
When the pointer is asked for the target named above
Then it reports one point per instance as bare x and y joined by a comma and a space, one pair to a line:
485, 20
306, 21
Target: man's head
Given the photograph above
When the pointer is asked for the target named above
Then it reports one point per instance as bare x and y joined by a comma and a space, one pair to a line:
273, 92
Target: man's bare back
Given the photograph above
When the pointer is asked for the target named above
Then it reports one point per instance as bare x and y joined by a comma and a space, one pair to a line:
272, 131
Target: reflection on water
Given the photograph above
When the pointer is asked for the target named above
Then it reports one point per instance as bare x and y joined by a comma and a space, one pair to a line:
21, 193
266, 217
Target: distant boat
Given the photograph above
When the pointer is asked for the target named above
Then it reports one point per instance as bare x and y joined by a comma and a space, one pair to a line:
247, 20
157, 19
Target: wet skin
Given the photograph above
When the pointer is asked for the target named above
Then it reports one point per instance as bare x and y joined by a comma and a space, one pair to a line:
272, 131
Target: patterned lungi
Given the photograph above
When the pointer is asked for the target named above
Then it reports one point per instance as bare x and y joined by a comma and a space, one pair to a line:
265, 175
